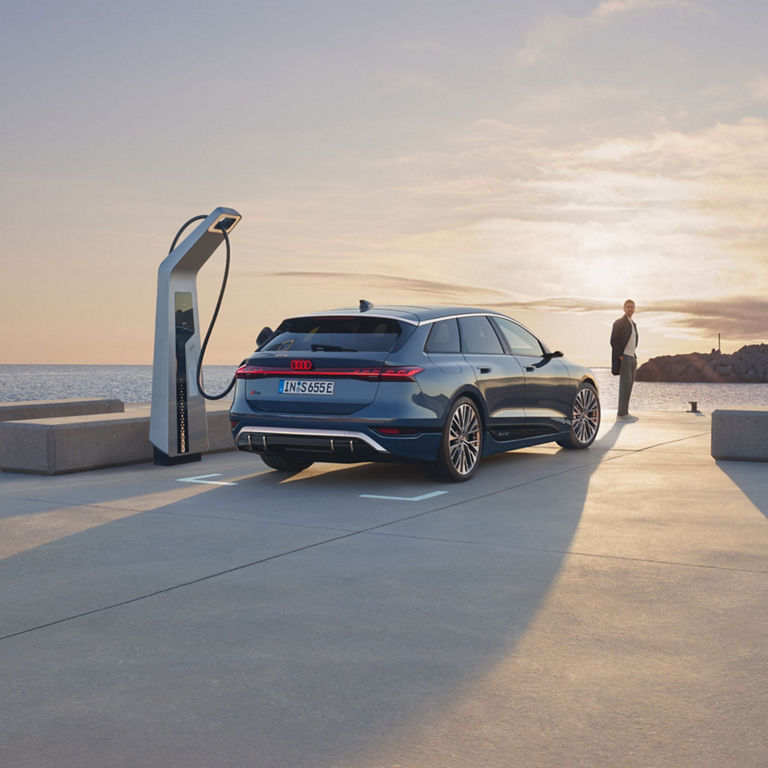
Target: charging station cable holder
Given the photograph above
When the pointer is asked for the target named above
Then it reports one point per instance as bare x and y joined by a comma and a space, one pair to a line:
178, 427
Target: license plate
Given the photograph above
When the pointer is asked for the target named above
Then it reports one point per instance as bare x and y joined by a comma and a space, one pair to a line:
305, 387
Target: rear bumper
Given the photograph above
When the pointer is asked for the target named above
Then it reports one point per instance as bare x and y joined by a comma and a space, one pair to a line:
353, 437
332, 443
320, 444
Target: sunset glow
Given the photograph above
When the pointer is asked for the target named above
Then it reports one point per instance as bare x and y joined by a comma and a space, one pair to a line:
547, 159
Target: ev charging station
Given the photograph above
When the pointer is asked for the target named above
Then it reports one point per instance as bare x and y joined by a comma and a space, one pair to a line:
178, 427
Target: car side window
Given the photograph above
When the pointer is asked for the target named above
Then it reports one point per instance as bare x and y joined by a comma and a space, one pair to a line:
443, 338
520, 341
478, 336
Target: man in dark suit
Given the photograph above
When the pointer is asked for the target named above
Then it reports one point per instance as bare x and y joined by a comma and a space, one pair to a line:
624, 339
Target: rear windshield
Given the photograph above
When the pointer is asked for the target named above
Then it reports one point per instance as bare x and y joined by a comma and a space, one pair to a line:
335, 334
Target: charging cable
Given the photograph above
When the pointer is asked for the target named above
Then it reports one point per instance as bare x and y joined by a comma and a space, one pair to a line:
223, 230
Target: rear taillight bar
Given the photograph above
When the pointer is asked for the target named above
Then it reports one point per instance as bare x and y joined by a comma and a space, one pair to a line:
384, 373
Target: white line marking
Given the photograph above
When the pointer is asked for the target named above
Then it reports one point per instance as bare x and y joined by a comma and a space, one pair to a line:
403, 498
201, 479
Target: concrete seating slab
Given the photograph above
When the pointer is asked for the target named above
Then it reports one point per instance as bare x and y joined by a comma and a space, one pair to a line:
53, 446
45, 409
740, 434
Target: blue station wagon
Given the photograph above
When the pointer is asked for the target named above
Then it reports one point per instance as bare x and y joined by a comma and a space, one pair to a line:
441, 386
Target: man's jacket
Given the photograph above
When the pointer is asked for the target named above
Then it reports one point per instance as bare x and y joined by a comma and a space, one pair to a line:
622, 330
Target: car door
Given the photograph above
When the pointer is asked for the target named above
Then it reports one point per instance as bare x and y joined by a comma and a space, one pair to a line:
548, 387
498, 375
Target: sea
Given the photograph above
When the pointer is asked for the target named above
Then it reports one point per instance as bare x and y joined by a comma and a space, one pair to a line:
133, 384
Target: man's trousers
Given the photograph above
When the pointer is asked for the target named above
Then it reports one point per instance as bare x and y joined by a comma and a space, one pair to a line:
626, 380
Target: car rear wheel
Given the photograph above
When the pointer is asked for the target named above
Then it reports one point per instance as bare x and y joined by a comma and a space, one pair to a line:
585, 418
283, 463
461, 443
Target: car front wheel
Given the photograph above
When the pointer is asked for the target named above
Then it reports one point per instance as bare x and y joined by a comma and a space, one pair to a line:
461, 443
585, 418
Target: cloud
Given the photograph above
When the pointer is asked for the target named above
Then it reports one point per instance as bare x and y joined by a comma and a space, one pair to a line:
552, 33
653, 215
506, 216
758, 89
736, 317
740, 318
426, 291
557, 30
615, 7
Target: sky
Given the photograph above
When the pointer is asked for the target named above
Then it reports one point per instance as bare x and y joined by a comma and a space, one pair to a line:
545, 159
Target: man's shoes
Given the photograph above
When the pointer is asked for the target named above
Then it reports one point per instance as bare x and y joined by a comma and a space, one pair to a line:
626, 417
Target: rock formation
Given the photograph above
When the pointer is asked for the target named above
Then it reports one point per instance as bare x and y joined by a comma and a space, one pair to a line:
747, 365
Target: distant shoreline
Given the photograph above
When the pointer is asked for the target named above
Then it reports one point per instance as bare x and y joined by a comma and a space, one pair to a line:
748, 365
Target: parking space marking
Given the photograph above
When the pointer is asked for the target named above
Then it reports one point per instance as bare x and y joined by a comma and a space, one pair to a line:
423, 497
201, 479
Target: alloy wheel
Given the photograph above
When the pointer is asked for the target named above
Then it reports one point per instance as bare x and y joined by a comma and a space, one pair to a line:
464, 439
586, 415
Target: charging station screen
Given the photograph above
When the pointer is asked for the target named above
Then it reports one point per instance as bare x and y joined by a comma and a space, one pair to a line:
185, 316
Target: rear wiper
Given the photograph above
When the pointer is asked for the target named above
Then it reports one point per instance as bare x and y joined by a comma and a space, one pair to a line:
330, 348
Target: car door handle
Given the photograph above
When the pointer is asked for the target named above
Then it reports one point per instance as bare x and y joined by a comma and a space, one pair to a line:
529, 368
484, 370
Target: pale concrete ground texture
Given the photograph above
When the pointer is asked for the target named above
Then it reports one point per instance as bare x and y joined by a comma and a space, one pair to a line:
592, 608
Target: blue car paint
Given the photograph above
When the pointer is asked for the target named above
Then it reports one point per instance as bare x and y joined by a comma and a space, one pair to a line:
515, 395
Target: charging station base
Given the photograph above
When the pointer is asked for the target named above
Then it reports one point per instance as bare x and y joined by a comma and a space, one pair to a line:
164, 460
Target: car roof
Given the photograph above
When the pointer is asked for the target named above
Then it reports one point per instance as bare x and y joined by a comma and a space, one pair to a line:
414, 315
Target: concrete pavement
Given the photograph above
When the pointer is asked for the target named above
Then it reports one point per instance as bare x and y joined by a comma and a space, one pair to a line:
599, 608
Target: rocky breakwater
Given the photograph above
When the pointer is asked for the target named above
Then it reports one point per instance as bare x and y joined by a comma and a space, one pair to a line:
747, 365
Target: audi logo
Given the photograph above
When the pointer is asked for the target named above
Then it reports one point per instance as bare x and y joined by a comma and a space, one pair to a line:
301, 365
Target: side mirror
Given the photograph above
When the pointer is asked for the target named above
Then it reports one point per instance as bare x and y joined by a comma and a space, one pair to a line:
550, 355
265, 334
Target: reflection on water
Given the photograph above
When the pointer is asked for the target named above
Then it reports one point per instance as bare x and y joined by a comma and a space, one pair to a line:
129, 383
660, 396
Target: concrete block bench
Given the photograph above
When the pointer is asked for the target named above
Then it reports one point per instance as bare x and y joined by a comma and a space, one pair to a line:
49, 409
53, 446
740, 434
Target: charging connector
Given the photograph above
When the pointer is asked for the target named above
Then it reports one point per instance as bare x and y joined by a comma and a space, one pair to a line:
224, 231
224, 225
